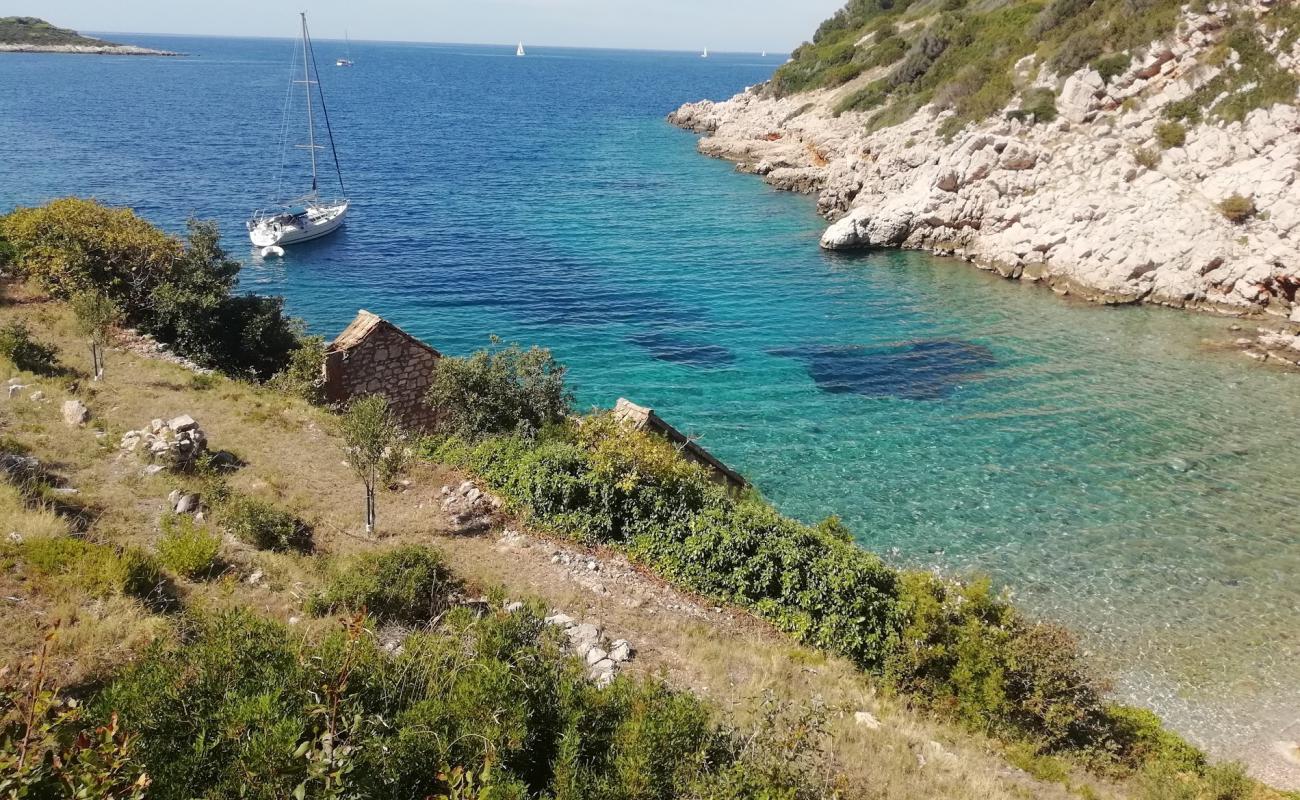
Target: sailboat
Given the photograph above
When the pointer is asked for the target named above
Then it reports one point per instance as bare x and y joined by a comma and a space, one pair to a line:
345, 62
306, 217
520, 52
705, 54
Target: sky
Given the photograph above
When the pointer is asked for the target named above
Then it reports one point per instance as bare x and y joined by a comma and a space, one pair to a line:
720, 25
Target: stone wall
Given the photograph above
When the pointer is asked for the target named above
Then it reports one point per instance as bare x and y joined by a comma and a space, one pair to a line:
387, 362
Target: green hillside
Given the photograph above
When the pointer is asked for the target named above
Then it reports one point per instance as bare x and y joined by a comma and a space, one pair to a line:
959, 54
38, 32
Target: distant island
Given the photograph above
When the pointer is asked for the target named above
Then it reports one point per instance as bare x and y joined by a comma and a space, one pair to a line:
33, 35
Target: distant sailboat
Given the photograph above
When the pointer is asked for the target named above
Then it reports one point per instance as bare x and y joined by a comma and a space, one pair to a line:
764, 54
308, 216
345, 62
520, 52
705, 54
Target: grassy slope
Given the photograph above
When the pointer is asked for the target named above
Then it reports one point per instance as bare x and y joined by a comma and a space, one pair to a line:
33, 31
293, 457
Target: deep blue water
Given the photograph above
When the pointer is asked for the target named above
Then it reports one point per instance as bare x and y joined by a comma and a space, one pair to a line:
1105, 463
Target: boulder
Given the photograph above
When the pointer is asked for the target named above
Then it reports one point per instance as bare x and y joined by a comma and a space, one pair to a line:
866, 720
75, 413
187, 504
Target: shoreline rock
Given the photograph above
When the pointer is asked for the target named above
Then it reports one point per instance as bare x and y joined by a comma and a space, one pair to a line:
86, 49
1071, 204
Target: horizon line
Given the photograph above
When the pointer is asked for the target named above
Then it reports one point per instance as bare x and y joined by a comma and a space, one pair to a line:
424, 41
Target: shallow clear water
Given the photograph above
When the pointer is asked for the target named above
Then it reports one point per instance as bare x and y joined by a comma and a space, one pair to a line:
1107, 464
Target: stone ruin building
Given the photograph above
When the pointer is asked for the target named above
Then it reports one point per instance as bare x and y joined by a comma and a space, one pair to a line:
374, 356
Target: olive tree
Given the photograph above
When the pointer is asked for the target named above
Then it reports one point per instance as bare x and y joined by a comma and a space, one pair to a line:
372, 442
96, 316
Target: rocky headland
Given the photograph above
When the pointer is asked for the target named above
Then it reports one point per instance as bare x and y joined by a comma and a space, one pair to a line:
1105, 196
34, 35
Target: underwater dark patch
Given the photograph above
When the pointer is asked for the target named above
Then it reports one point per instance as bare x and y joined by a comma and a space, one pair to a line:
919, 370
666, 347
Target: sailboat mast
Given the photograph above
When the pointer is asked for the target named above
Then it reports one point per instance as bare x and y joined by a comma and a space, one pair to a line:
311, 123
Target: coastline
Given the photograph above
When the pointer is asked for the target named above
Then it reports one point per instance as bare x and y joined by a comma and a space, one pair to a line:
85, 49
1074, 204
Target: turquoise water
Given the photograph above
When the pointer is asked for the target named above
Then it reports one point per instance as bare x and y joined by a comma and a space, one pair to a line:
1110, 467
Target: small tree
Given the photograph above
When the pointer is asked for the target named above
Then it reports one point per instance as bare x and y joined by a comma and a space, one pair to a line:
372, 442
96, 316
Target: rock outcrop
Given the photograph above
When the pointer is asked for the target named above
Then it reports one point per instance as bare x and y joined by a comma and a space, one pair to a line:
1089, 204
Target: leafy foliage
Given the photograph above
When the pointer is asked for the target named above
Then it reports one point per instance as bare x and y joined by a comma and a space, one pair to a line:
47, 748
372, 443
409, 585
480, 708
303, 376
187, 548
27, 352
499, 390
94, 569
96, 315
181, 292
957, 648
262, 524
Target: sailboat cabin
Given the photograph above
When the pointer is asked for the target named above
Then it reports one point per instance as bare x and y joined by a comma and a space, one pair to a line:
374, 356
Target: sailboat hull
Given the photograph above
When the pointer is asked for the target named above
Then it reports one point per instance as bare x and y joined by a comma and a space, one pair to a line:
283, 229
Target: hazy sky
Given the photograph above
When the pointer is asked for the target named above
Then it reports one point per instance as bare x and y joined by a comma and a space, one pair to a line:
744, 25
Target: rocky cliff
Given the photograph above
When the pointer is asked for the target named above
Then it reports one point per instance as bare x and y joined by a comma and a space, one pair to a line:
1105, 194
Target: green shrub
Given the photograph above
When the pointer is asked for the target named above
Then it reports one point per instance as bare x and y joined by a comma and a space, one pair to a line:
95, 569
1171, 134
481, 708
1237, 209
1038, 103
499, 390
958, 649
304, 375
262, 524
409, 585
186, 548
1111, 65
181, 292
26, 352
1143, 739
1148, 157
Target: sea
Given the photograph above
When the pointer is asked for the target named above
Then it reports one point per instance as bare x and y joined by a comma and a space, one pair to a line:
1116, 469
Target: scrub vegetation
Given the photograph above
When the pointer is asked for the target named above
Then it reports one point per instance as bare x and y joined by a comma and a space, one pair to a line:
251, 653
960, 56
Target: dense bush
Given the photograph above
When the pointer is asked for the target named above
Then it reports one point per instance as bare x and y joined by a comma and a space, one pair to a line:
1148, 157
1237, 209
94, 569
25, 351
1111, 65
181, 292
480, 708
303, 376
409, 585
956, 648
501, 390
187, 548
1171, 134
262, 524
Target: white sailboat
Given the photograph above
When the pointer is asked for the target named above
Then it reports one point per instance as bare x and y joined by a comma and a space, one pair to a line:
309, 216
705, 54
520, 52
345, 62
